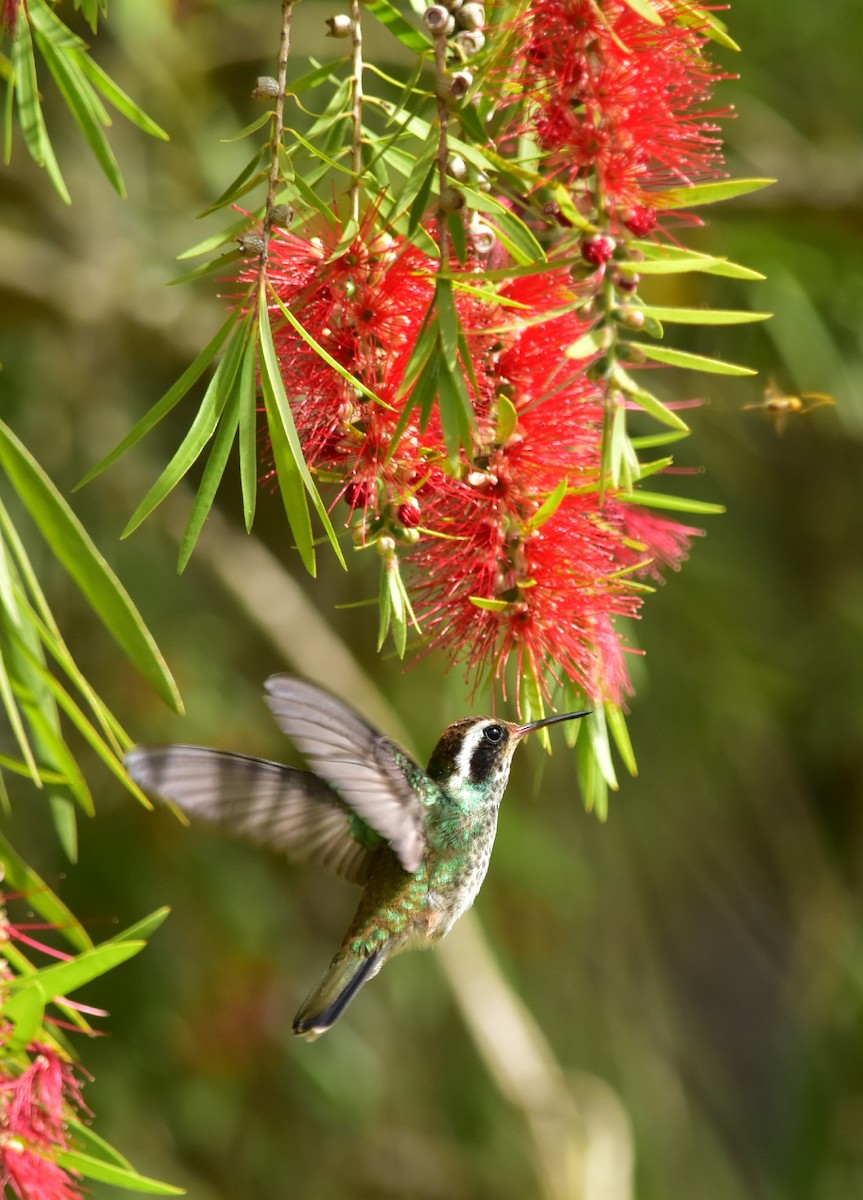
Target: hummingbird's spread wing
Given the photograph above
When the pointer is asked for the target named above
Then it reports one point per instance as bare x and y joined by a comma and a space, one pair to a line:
372, 774
273, 805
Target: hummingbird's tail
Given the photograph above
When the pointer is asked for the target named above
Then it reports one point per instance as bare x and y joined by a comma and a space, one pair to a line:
341, 982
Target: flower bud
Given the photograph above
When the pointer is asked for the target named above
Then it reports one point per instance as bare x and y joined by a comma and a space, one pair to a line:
409, 512
266, 88
457, 168
633, 318
452, 5
470, 42
340, 26
436, 18
626, 281
386, 546
639, 220
410, 535
356, 494
460, 84
471, 16
597, 250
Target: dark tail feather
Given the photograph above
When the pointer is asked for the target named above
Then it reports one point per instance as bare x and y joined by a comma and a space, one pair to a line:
334, 993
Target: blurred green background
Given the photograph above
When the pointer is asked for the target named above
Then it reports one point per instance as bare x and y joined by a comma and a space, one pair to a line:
696, 965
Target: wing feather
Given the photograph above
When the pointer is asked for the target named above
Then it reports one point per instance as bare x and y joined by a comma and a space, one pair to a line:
273, 805
371, 773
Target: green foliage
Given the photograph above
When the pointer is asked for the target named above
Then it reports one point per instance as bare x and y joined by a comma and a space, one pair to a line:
80, 81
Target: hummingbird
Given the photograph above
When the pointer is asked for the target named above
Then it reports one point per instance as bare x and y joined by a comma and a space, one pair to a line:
417, 841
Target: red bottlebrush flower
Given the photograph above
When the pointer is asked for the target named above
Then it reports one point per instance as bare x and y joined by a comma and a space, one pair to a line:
618, 101
661, 542
36, 1105
365, 306
492, 579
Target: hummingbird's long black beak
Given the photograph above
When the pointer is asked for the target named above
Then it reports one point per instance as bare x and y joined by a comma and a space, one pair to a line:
521, 730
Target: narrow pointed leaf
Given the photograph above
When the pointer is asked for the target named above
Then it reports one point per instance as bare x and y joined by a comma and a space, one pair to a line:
75, 549
701, 316
26, 1011
674, 503
246, 179
709, 193
115, 95
213, 405
20, 877
656, 252
286, 443
123, 1177
169, 401
81, 103
390, 16
691, 362
620, 734
548, 507
645, 9
248, 432
656, 409
144, 929
30, 115
228, 425
512, 231
66, 977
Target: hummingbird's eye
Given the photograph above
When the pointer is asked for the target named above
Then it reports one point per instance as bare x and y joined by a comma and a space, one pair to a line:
493, 734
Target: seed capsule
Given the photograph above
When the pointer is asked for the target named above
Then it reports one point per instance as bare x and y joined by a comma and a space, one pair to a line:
266, 88
341, 26
471, 16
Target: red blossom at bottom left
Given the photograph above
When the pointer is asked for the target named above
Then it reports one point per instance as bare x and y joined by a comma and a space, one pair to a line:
36, 1106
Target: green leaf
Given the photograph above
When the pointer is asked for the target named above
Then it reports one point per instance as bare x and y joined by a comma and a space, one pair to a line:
649, 441
507, 420
645, 9
490, 605
247, 399
169, 401
251, 173
20, 877
115, 95
448, 322
389, 15
701, 316
144, 929
676, 264
65, 977
548, 507
616, 721
647, 401
674, 503
32, 122
74, 548
708, 193
26, 1011
598, 734
691, 362
705, 22
7, 695
656, 252
82, 104
106, 1172
206, 420
295, 480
